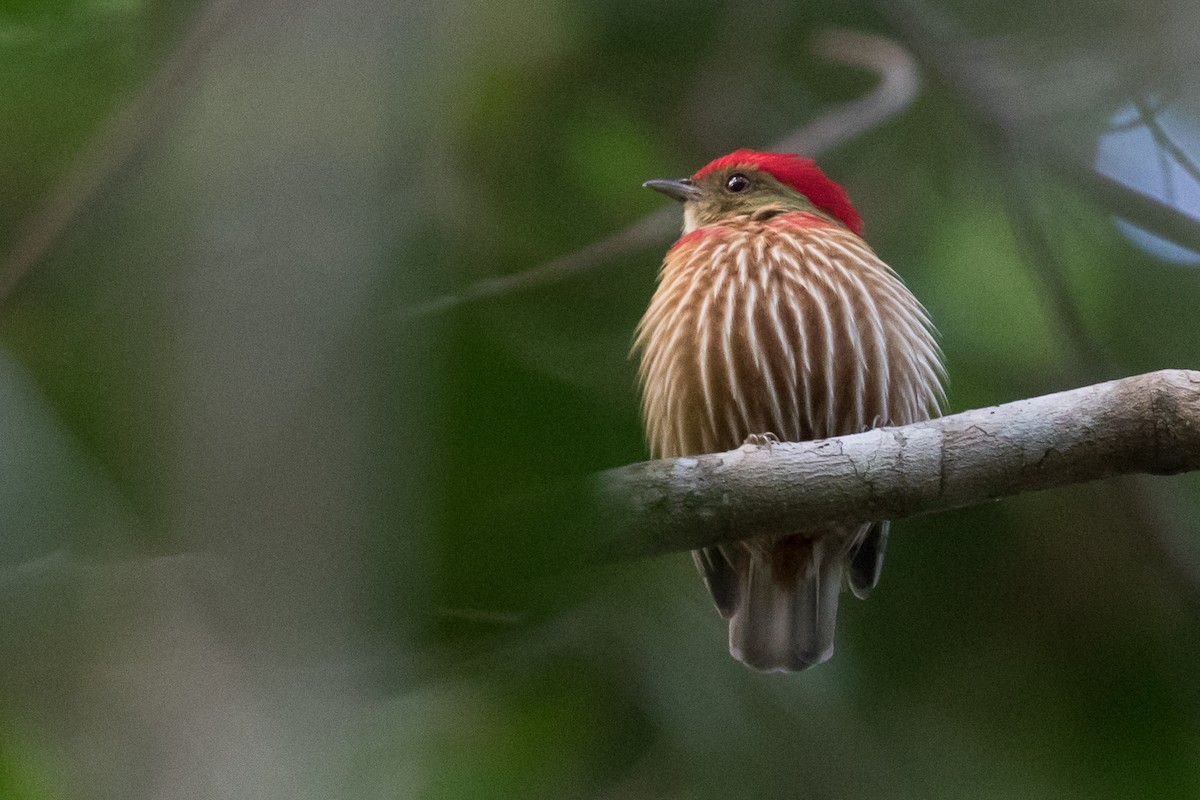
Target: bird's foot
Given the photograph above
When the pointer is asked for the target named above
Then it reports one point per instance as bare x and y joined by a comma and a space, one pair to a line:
767, 440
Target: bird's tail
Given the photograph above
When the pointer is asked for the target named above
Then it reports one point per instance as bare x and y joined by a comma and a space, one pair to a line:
787, 605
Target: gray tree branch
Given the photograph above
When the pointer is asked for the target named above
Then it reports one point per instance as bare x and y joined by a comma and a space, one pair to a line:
1144, 424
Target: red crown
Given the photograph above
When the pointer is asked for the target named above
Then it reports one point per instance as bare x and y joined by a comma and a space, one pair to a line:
801, 174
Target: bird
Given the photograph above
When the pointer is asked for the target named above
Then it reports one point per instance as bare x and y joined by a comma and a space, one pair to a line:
773, 320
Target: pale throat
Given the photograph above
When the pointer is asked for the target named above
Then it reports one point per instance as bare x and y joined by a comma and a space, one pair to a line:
694, 216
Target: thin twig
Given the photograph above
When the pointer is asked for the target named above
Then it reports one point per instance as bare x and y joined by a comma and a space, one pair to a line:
1145, 424
121, 138
644, 233
1140, 209
898, 86
1164, 140
965, 76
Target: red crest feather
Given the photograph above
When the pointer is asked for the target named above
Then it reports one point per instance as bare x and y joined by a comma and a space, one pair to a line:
801, 174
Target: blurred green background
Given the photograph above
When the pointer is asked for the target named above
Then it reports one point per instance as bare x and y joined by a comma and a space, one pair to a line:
265, 525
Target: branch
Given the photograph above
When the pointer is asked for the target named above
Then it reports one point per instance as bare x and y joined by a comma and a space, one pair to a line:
1145, 424
966, 73
898, 86
1140, 209
1149, 116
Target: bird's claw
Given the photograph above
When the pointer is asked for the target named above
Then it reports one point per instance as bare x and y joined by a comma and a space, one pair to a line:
767, 440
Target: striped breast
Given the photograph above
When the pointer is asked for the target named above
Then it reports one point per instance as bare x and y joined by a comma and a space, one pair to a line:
789, 325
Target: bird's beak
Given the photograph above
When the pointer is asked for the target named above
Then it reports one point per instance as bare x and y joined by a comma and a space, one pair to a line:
681, 190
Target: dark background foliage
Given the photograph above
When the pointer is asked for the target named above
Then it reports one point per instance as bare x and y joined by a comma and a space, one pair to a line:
266, 523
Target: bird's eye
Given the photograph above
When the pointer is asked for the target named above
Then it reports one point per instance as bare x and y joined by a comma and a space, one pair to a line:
737, 183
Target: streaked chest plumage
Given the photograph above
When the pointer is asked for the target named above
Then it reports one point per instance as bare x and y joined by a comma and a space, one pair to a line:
787, 324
